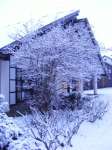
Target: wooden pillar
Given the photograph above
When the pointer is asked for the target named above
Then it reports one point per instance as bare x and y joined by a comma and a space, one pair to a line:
0, 76
81, 85
68, 89
95, 86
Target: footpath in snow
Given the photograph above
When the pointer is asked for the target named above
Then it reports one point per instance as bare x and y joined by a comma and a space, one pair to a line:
97, 135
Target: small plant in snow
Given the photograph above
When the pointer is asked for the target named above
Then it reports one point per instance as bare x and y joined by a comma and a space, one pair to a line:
94, 108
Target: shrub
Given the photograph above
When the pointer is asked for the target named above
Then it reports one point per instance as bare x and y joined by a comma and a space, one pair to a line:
24, 144
94, 108
8, 131
70, 101
13, 138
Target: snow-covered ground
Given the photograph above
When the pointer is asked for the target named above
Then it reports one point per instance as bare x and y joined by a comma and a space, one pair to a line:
92, 136
98, 135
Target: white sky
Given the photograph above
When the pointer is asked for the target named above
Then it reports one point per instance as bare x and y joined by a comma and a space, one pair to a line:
99, 13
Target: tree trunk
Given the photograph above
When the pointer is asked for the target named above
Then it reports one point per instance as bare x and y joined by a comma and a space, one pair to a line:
95, 85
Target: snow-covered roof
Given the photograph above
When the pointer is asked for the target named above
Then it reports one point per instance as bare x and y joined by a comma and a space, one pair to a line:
107, 56
107, 60
6, 49
70, 18
107, 53
62, 20
81, 26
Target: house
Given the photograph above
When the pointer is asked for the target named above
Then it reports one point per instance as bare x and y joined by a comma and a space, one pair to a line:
106, 81
4, 75
11, 77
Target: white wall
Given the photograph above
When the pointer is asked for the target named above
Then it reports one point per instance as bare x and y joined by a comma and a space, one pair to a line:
5, 79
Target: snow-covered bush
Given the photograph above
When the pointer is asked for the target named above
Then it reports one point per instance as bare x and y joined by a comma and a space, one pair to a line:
54, 129
94, 108
69, 101
8, 131
4, 107
24, 144
13, 138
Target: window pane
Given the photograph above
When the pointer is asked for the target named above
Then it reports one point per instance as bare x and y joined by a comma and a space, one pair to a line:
12, 73
12, 98
12, 86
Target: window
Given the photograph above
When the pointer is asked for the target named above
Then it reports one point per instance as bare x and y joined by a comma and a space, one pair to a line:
19, 84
